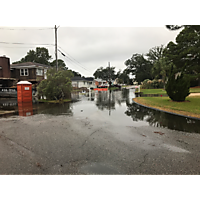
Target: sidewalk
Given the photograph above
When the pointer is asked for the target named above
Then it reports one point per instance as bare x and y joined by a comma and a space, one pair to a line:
194, 94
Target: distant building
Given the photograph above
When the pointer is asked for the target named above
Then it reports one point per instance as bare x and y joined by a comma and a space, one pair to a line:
100, 82
79, 82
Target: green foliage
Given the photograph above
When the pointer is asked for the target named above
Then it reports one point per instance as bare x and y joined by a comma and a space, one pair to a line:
185, 52
177, 27
40, 55
107, 74
174, 27
140, 67
155, 53
178, 87
57, 85
123, 77
61, 64
161, 69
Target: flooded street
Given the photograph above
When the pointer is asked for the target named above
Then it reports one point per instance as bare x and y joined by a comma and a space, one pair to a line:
97, 133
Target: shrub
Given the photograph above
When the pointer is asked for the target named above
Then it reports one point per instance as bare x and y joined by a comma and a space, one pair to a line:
57, 85
152, 84
178, 87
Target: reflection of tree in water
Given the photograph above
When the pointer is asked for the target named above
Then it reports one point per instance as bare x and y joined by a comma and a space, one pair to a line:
162, 119
108, 99
105, 100
125, 96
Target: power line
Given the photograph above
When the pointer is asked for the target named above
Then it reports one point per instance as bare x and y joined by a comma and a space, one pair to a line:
21, 43
24, 29
73, 59
26, 46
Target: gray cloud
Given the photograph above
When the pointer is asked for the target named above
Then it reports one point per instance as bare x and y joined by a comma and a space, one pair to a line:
92, 47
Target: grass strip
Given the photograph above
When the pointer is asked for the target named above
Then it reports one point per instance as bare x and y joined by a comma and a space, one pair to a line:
54, 101
190, 107
162, 91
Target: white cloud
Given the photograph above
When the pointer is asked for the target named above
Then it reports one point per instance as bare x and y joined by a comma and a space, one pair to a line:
90, 47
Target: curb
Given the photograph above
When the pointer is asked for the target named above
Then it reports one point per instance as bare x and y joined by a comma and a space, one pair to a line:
195, 118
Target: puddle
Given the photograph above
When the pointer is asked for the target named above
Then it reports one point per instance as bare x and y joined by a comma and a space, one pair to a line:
114, 107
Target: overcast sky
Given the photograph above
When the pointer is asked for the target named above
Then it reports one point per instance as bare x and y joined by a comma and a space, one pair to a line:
86, 48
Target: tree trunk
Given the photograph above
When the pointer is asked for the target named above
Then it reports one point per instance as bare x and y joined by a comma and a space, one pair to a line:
110, 84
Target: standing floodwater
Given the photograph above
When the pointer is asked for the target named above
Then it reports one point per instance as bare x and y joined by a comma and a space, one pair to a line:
115, 106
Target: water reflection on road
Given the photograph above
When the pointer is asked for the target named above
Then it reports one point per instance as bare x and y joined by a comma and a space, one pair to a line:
118, 108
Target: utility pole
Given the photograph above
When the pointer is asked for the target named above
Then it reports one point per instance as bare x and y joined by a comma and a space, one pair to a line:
56, 51
109, 73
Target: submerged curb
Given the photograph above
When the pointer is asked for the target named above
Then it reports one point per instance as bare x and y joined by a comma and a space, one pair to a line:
196, 118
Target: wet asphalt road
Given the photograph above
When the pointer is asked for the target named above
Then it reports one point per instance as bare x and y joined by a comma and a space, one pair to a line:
94, 141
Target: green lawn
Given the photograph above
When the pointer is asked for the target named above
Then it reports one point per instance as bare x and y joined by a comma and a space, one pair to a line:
190, 107
162, 91
153, 91
195, 90
54, 101
113, 88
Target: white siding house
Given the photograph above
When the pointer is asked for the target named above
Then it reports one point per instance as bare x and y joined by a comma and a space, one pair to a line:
80, 82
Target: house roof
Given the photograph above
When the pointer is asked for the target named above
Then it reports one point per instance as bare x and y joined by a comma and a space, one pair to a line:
89, 78
29, 65
78, 78
23, 82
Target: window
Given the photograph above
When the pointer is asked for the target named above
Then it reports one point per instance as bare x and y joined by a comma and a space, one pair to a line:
23, 72
39, 72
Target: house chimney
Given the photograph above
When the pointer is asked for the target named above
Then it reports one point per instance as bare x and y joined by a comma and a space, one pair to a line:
5, 64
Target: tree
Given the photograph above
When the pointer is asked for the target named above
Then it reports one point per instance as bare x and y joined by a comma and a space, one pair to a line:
61, 64
40, 55
177, 27
57, 85
140, 67
155, 53
75, 73
123, 77
174, 27
161, 69
99, 73
178, 86
107, 74
185, 53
